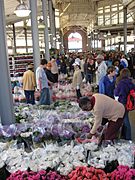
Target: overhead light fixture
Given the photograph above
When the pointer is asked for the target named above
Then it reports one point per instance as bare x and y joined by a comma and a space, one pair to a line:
54, 38
119, 37
22, 10
108, 34
95, 32
105, 35
58, 36
41, 23
89, 35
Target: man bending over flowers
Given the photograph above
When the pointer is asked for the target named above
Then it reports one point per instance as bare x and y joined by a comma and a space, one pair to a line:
105, 110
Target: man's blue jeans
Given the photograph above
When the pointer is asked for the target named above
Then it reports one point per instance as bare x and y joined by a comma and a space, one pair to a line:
89, 78
29, 96
45, 97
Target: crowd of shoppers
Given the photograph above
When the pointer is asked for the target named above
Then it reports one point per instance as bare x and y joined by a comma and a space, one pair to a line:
110, 71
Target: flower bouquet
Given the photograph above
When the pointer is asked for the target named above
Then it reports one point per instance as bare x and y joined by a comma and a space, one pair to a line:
89, 173
42, 175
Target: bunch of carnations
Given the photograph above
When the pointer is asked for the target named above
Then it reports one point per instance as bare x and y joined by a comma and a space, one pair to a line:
122, 173
88, 173
42, 175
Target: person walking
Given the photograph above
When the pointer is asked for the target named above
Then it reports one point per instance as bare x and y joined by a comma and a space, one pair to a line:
90, 69
42, 83
77, 79
29, 84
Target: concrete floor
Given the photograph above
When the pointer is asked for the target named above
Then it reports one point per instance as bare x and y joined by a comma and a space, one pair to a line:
132, 121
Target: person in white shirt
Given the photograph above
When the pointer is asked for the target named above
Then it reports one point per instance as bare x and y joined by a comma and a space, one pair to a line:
42, 83
101, 68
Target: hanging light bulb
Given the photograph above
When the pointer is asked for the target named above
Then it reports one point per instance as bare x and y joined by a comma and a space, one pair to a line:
41, 23
89, 35
108, 34
54, 38
22, 10
119, 37
95, 31
105, 35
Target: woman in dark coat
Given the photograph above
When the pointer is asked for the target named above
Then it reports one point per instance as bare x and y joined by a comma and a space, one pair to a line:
124, 85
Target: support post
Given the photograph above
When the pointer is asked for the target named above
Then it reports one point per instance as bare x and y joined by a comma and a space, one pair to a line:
52, 25
26, 41
97, 41
25, 34
125, 30
134, 36
46, 32
14, 39
94, 41
103, 44
6, 99
35, 34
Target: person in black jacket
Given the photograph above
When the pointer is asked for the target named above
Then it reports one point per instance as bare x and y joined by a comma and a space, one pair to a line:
49, 74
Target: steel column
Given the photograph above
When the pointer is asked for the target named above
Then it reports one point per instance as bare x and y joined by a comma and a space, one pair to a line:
6, 99
25, 35
52, 26
14, 39
134, 35
46, 32
125, 30
35, 33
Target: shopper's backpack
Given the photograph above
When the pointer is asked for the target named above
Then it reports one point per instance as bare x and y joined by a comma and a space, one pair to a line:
130, 105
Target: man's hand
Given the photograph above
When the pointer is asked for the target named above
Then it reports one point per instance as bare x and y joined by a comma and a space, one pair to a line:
100, 129
89, 136
39, 90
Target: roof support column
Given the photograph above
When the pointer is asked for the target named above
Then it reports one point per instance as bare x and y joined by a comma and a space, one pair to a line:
35, 34
61, 40
46, 32
26, 40
14, 39
134, 35
103, 44
25, 35
94, 41
125, 30
52, 24
97, 41
6, 99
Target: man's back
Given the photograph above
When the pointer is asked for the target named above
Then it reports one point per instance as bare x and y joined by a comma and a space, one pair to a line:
29, 80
